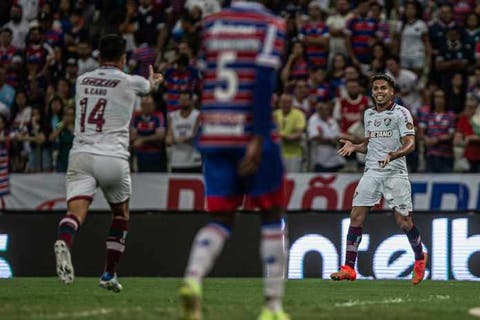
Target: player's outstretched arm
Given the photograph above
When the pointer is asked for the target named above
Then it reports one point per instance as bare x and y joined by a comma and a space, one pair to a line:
348, 147
408, 145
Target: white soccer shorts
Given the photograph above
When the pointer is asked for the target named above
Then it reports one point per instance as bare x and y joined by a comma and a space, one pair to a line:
88, 171
396, 191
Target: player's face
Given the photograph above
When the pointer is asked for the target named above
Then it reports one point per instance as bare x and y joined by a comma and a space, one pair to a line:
382, 93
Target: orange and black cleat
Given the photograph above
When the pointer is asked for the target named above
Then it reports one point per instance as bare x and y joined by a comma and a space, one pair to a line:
419, 269
345, 273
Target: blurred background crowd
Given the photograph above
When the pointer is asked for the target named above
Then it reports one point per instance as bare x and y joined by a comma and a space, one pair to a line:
430, 48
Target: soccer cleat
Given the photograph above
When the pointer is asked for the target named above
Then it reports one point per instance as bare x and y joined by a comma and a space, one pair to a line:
268, 314
190, 294
345, 273
64, 262
110, 282
419, 269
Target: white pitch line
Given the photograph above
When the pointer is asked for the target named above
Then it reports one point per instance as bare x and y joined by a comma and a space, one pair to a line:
79, 314
355, 303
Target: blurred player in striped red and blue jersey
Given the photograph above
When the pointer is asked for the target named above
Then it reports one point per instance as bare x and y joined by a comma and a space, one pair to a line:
242, 48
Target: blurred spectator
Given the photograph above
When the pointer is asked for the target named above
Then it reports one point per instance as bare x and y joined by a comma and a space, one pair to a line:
377, 12
296, 67
128, 26
63, 135
7, 93
291, 123
407, 83
21, 111
188, 29
453, 57
77, 32
315, 36
51, 35
37, 52
323, 133
456, 92
34, 138
472, 30
150, 25
336, 73
208, 7
468, 133
320, 90
30, 8
438, 28
148, 134
336, 24
4, 156
379, 55
362, 32
436, 129
180, 77
18, 25
71, 72
85, 61
412, 41
461, 9
182, 128
301, 97
7, 50
143, 56
474, 85
347, 109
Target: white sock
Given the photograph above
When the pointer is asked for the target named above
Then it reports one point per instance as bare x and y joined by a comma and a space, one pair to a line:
205, 248
273, 251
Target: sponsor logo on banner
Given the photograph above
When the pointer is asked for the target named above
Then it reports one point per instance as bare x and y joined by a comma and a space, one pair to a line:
303, 192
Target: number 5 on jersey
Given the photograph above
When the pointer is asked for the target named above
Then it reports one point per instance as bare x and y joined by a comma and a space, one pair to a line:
96, 115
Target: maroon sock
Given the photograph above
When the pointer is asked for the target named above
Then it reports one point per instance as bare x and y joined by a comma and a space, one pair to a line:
67, 228
415, 240
354, 237
115, 244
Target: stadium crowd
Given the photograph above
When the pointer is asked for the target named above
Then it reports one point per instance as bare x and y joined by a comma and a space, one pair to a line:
430, 48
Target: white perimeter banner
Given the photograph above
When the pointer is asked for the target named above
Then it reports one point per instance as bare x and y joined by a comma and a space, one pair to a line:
304, 192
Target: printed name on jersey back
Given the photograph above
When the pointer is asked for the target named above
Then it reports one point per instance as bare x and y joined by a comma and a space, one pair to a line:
89, 81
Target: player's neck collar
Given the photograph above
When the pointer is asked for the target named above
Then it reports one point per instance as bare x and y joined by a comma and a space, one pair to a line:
390, 107
109, 66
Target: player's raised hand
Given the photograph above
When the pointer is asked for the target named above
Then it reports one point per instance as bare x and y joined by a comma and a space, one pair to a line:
154, 78
347, 148
250, 162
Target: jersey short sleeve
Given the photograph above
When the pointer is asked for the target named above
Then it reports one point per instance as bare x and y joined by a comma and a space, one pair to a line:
272, 46
405, 122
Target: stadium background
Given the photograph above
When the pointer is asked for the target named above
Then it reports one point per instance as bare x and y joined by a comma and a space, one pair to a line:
54, 41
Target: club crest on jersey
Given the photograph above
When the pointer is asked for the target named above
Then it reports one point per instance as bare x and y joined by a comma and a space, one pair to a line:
377, 123
409, 126
387, 121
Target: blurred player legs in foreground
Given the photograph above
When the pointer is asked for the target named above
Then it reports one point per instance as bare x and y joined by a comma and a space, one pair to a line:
390, 136
99, 157
242, 46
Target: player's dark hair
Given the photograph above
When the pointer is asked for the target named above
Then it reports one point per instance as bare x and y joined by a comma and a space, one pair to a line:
382, 76
394, 58
112, 47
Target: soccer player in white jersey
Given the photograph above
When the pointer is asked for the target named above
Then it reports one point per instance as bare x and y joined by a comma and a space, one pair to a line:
390, 136
104, 103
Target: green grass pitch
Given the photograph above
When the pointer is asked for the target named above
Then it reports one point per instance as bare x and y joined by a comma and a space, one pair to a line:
232, 299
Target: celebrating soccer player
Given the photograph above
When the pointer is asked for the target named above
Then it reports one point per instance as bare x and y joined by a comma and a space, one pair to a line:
390, 136
242, 47
104, 103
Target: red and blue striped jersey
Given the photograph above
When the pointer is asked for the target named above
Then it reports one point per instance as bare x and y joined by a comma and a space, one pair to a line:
362, 31
176, 81
438, 124
317, 56
241, 45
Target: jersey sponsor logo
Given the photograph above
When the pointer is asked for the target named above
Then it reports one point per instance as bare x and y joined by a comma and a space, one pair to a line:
218, 129
387, 121
409, 126
89, 81
220, 27
381, 134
